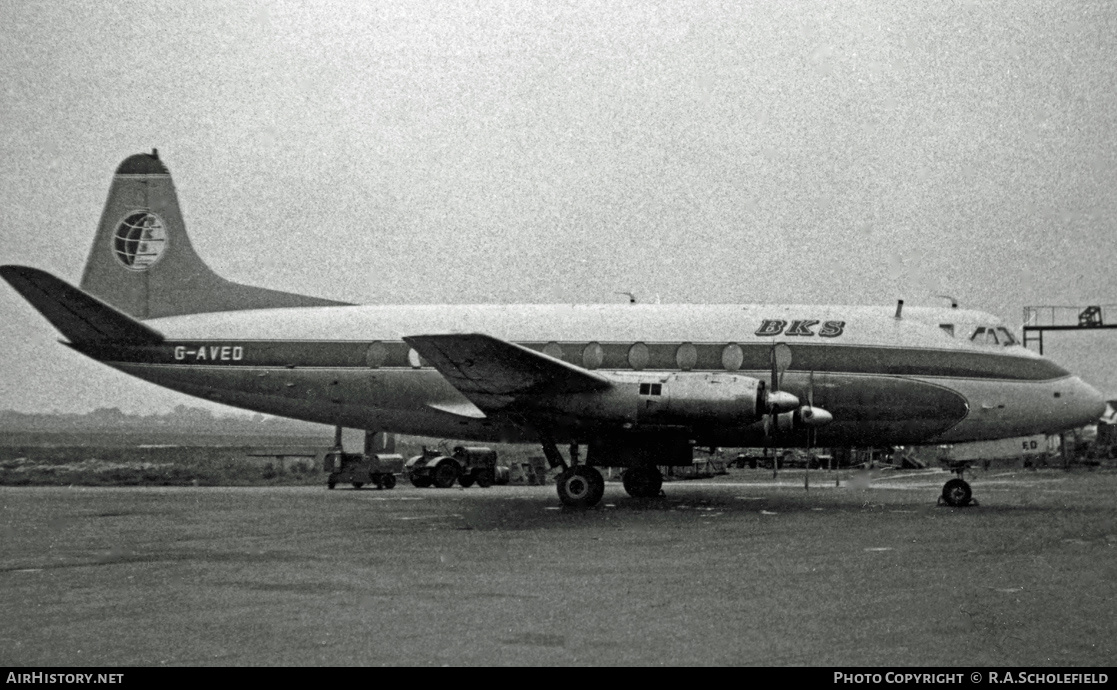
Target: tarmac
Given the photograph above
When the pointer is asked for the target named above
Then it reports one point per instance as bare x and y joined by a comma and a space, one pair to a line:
737, 570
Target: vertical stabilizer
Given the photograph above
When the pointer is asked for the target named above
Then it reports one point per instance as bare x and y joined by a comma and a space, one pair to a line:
142, 261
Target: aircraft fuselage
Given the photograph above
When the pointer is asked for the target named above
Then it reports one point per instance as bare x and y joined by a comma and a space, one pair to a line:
885, 380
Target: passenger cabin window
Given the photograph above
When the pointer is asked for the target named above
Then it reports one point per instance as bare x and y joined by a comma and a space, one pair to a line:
651, 389
948, 327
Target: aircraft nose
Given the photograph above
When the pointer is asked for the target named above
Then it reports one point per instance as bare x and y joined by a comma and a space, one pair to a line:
1089, 403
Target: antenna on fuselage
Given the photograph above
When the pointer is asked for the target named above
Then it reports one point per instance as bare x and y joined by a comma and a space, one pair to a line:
631, 296
899, 307
953, 302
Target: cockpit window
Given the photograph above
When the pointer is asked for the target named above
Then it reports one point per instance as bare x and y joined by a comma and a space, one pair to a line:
994, 336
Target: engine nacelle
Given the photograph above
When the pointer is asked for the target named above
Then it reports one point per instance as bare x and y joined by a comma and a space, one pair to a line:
681, 399
705, 399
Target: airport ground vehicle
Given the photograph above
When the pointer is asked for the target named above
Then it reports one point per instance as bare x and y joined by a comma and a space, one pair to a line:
359, 469
466, 465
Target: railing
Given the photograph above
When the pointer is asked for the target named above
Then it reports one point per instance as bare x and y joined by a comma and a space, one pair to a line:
1091, 316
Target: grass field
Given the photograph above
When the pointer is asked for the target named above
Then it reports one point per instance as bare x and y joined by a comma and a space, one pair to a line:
74, 459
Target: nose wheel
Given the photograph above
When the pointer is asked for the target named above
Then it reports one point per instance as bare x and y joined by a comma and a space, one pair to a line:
957, 492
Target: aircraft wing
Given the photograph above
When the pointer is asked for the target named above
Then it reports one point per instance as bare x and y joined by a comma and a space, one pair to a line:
494, 373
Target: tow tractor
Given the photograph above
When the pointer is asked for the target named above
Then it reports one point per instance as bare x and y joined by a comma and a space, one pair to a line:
466, 465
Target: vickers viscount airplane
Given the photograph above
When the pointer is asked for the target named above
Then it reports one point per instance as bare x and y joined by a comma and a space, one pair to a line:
638, 384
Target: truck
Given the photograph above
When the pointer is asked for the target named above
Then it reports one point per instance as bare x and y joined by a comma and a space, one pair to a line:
359, 469
465, 465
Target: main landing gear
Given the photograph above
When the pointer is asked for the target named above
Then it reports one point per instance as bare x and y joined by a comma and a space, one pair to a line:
582, 486
957, 492
579, 486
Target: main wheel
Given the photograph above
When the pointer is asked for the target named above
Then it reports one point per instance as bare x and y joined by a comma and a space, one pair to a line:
957, 492
445, 474
389, 481
485, 478
467, 479
642, 482
580, 486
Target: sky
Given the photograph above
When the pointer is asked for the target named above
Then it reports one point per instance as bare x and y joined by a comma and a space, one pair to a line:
473, 152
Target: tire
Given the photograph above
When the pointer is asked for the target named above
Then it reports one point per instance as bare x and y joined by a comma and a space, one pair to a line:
331, 484
598, 484
389, 481
580, 486
467, 479
445, 474
357, 485
420, 481
485, 478
642, 482
957, 493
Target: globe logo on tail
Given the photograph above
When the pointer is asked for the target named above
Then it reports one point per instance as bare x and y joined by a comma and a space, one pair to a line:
139, 240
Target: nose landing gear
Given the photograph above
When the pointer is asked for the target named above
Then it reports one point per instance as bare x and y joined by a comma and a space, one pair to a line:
957, 492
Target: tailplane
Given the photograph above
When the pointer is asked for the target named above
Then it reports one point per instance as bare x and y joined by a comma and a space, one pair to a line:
142, 261
82, 318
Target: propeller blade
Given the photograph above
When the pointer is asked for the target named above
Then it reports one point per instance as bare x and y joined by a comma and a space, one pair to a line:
781, 360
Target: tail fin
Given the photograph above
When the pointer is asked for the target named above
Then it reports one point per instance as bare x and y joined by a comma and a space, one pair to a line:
77, 315
142, 262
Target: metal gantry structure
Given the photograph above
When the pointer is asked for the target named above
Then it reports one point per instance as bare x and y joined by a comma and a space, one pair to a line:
1040, 319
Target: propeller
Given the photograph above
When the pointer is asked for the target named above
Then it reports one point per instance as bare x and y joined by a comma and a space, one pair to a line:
777, 401
780, 401
807, 413
785, 413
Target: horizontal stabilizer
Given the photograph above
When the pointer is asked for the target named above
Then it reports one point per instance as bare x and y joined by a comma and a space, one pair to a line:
493, 373
81, 317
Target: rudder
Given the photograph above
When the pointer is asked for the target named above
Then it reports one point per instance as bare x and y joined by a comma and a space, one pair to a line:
142, 261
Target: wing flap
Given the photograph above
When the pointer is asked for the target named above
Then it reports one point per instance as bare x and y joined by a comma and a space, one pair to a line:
494, 373
79, 316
